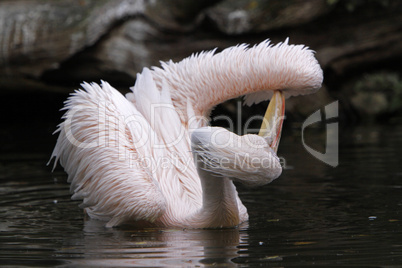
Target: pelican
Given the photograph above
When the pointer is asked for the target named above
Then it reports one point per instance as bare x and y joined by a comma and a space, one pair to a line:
149, 158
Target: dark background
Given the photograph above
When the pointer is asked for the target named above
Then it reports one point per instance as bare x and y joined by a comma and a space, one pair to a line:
47, 48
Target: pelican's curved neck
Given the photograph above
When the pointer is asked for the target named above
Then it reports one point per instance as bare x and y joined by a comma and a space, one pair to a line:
208, 79
219, 201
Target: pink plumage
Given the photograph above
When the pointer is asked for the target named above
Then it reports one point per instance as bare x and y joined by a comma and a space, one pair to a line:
149, 158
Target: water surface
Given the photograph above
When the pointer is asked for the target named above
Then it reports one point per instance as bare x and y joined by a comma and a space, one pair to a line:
313, 214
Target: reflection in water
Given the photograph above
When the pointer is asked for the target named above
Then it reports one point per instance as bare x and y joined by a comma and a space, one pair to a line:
312, 215
153, 247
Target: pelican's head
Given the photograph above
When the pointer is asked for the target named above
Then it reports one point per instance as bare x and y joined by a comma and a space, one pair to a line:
251, 159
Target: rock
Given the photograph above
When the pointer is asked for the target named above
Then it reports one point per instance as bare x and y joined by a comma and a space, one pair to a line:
177, 15
364, 38
256, 16
376, 94
65, 42
370, 103
126, 50
55, 45
39, 35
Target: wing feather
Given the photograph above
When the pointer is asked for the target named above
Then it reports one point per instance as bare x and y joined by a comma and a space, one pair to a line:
101, 145
180, 180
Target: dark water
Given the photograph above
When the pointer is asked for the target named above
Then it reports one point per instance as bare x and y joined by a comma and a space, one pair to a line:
313, 215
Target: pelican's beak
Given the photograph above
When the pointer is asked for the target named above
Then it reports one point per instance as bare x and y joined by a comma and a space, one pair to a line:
271, 127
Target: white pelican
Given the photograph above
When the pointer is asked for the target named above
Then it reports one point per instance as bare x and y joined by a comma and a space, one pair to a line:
151, 159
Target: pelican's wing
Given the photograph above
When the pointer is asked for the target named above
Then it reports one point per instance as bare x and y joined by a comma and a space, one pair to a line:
102, 145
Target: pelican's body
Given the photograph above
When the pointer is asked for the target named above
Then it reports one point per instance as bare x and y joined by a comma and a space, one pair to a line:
150, 158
